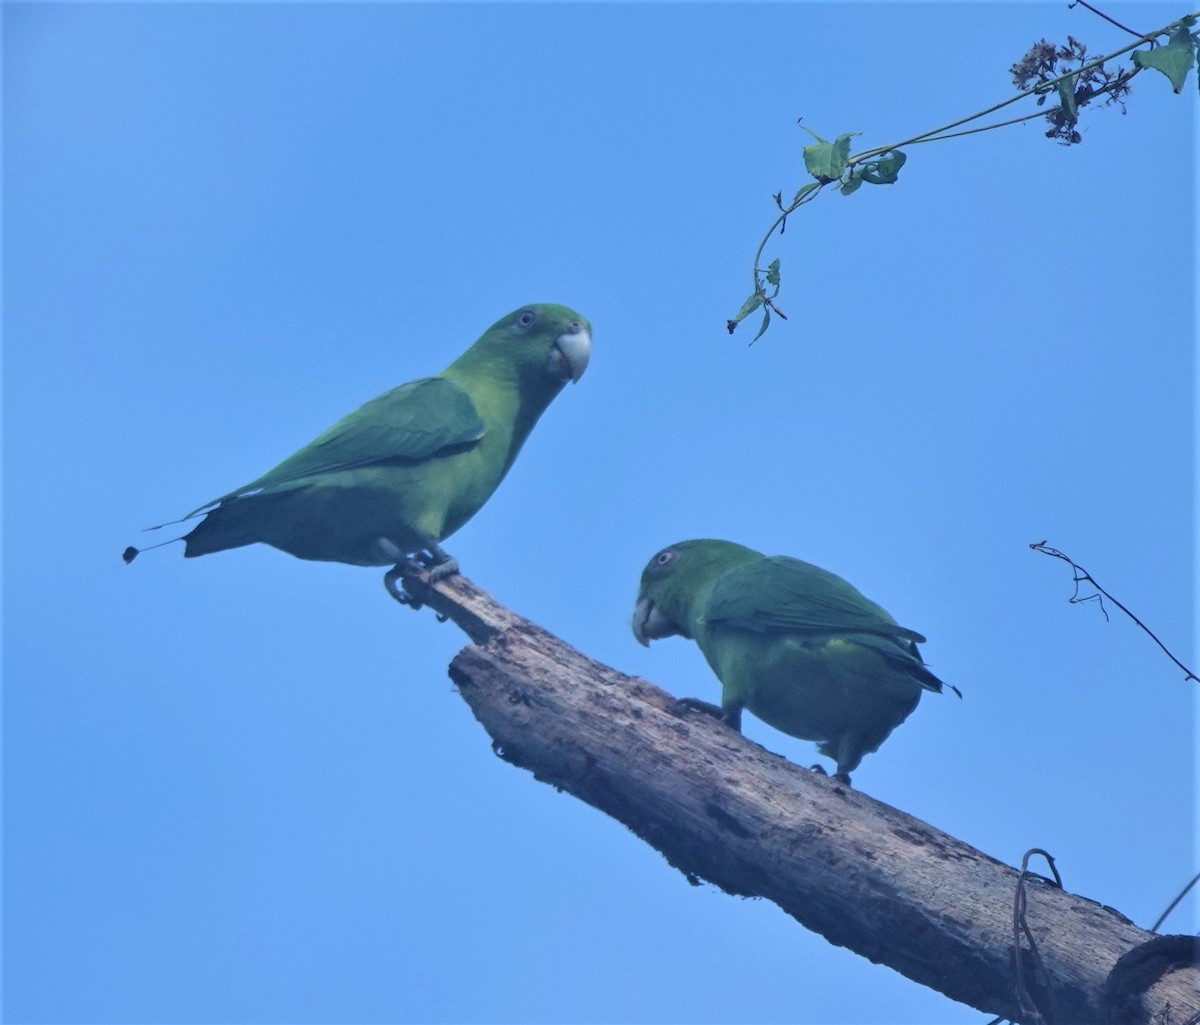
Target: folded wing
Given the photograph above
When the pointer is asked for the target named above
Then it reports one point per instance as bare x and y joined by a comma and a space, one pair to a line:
415, 421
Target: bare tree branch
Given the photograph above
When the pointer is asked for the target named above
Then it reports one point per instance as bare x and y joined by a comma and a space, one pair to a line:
721, 808
1082, 576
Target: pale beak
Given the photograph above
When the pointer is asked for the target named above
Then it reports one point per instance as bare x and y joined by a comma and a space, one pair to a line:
649, 624
572, 352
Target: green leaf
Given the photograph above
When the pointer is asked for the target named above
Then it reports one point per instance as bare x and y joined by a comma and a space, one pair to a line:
820, 162
812, 133
826, 161
773, 273
1174, 59
1066, 93
804, 191
885, 170
766, 320
853, 185
748, 307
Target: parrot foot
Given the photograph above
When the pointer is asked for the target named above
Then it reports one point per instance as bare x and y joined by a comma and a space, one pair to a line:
731, 716
439, 563
841, 777
396, 573
430, 560
440, 570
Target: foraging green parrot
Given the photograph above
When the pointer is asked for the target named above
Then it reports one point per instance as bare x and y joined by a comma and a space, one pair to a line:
795, 644
404, 471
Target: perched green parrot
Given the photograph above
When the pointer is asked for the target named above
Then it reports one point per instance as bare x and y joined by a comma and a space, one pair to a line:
404, 471
795, 644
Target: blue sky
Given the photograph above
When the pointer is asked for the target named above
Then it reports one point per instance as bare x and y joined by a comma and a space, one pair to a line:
242, 789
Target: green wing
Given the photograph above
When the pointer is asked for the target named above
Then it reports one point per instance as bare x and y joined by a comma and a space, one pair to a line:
415, 421
788, 595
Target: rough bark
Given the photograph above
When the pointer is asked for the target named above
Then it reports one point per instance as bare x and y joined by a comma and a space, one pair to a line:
862, 874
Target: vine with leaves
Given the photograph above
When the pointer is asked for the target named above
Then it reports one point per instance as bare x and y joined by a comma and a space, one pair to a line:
1048, 70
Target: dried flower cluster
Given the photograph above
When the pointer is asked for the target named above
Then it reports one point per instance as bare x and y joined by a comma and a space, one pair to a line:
1047, 61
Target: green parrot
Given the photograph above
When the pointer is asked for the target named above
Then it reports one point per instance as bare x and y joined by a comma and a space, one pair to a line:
795, 644
404, 471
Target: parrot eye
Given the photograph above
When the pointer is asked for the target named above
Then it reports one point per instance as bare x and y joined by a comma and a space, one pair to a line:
526, 319
664, 557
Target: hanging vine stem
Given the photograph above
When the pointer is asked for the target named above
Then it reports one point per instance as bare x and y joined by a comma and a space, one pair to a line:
1083, 576
851, 169
1021, 929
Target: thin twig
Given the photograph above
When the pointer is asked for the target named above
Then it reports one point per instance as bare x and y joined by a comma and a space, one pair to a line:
1082, 575
1171, 907
983, 128
1111, 21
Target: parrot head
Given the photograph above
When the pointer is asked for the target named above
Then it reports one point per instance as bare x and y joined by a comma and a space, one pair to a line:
676, 582
542, 346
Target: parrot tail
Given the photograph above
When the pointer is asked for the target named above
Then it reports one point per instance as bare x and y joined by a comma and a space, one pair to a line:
219, 530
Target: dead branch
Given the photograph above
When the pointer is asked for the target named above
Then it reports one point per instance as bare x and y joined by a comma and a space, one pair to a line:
721, 808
